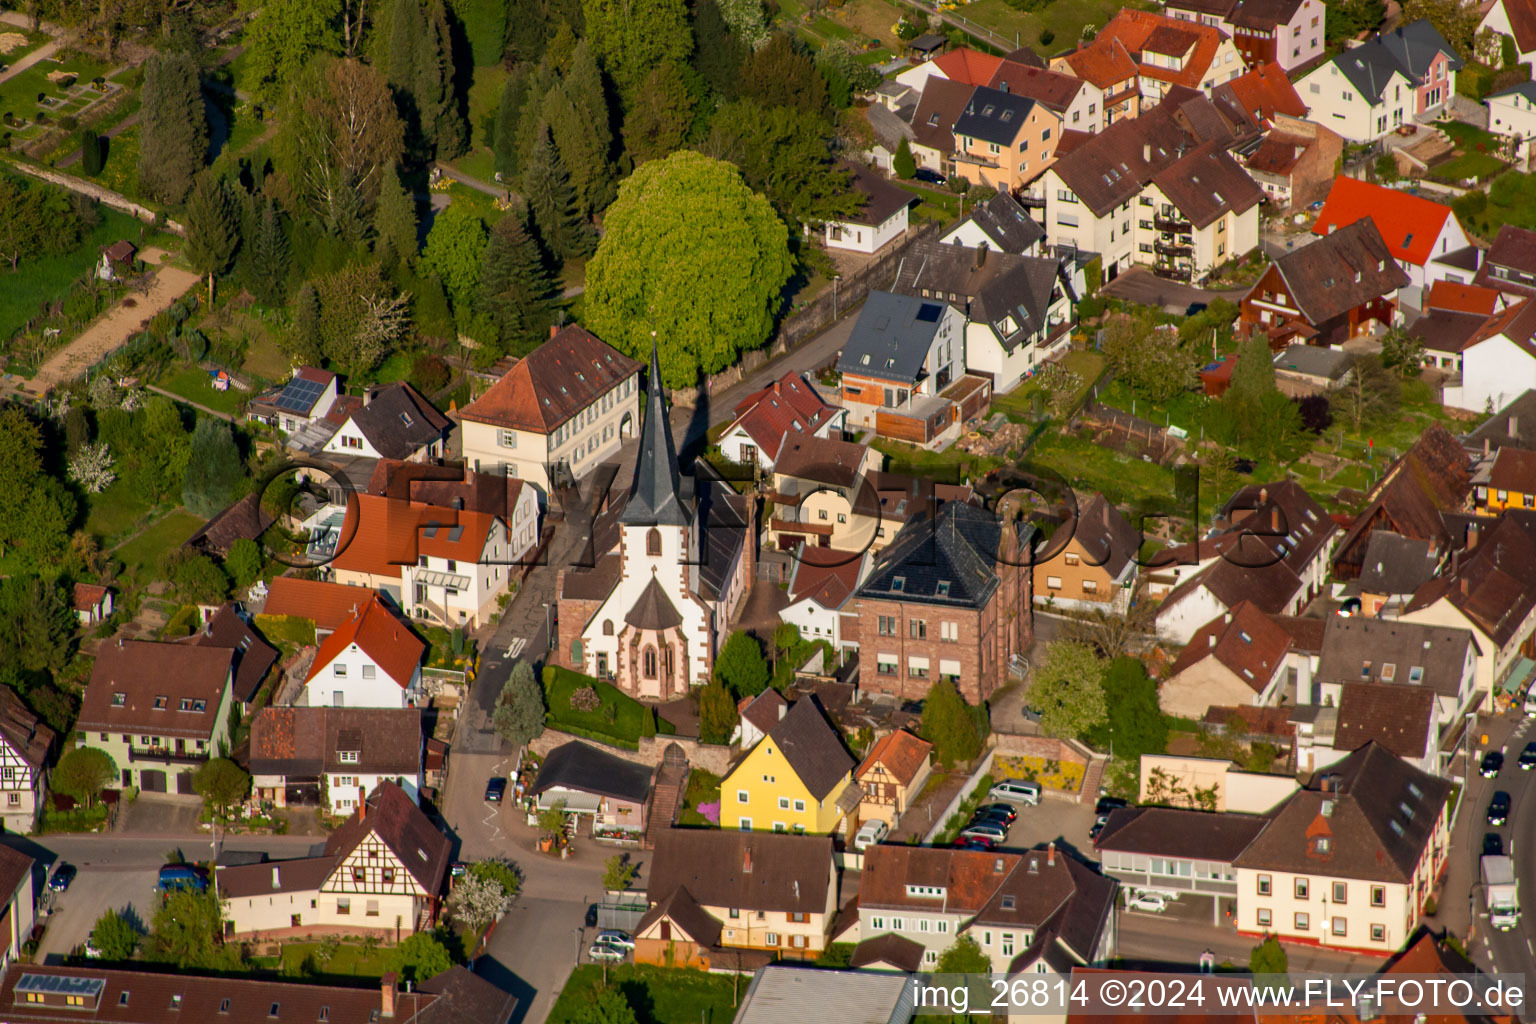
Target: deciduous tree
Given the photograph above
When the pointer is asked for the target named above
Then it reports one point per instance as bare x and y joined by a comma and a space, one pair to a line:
83, 772
453, 251
948, 725
659, 119
114, 937
672, 217
223, 785
1368, 393
215, 474
717, 714
629, 37
747, 20
1067, 690
605, 1006
91, 467
186, 931
618, 873
1403, 352
1136, 724
787, 155
173, 128
1152, 362
285, 38
741, 667
243, 563
476, 901
420, 957
965, 956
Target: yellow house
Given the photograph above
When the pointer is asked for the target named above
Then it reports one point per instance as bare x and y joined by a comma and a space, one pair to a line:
1511, 483
799, 778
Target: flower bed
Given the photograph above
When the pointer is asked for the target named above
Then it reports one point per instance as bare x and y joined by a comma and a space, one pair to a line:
1062, 775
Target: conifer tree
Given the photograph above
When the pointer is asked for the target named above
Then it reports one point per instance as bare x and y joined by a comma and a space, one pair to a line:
173, 128
553, 204
508, 115
304, 336
213, 231
514, 285
437, 102
585, 163
269, 257
584, 87
394, 222
408, 25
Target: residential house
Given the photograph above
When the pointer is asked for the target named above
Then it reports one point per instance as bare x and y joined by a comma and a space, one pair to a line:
586, 780
1294, 164
1420, 233
1393, 570
1509, 265
557, 413
19, 917
442, 564
1037, 912
1402, 719
330, 606
820, 585
1453, 315
1512, 114
226, 628
1018, 309
394, 422
790, 405
244, 519
961, 66
1273, 551
1000, 223
1110, 70
381, 874
1438, 659
1337, 288
798, 779
303, 401
823, 495
892, 775
1075, 102
1489, 589
668, 564
1286, 32
726, 900
1380, 85
158, 709
1350, 860
1510, 426
902, 356
1004, 140
1095, 566
1515, 19
25, 746
373, 661
1427, 480
1510, 483
1303, 370
881, 220
1236, 658
1498, 362
888, 127
92, 603
1176, 850
1167, 52
37, 994
759, 715
1264, 95
948, 599
334, 756
513, 501
1428, 60
933, 122
780, 992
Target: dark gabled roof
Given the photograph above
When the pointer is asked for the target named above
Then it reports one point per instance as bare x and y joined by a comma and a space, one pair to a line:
394, 817
1429, 478
822, 460
1115, 165
1381, 812
243, 520
988, 287
653, 609
684, 911
1264, 14
264, 878
580, 766
882, 200
307, 741
1513, 425
1445, 331
1510, 263
1370, 68
1051, 89
765, 710
891, 338
933, 121
655, 499
1179, 833
24, 732
253, 655
728, 521
1400, 718
1007, 224
992, 115
950, 559
1106, 535
1340, 271
1513, 469
1244, 640
552, 383
1312, 361
812, 746
463, 997
1494, 584
768, 871
398, 422
888, 948
1395, 564
154, 680
1416, 45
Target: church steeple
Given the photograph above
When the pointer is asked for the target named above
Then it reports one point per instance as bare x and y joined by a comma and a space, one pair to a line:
655, 499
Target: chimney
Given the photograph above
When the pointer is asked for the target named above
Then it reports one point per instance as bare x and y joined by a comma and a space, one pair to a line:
1226, 618
553, 330
387, 994
981, 255
1327, 786
1274, 518
783, 710
746, 861
1464, 590
1050, 854
1487, 447
1472, 532
1263, 494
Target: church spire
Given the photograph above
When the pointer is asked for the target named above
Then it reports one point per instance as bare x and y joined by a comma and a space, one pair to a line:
654, 499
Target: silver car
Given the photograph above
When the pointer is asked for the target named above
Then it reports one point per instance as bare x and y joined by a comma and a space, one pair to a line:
603, 951
615, 938
985, 830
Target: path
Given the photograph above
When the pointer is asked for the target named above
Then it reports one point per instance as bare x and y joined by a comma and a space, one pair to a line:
499, 191
116, 200
43, 52
184, 400
116, 326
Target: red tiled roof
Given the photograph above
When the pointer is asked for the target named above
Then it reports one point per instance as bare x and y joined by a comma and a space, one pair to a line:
384, 638
88, 596
1265, 92
1513, 470
902, 754
1522, 22
552, 383
1408, 224
1462, 298
316, 375
1516, 322
1245, 641
788, 404
1139, 31
966, 65
1104, 62
825, 575
328, 605
379, 535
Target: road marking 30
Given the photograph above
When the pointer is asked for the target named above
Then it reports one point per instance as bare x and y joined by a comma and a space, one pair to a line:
516, 647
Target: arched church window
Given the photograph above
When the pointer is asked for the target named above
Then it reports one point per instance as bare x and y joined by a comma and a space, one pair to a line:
653, 542
576, 651
650, 663
607, 627
666, 662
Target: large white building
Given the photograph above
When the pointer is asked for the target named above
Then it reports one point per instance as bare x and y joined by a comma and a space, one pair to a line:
374, 661
1512, 114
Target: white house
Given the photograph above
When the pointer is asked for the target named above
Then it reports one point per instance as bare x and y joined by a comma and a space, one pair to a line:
1498, 363
335, 756
1000, 224
789, 406
1512, 113
20, 904
1424, 236
291, 407
374, 661
394, 422
882, 220
1362, 94
819, 586
25, 743
1516, 19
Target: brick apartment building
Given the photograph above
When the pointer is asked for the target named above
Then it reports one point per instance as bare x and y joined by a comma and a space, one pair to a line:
949, 598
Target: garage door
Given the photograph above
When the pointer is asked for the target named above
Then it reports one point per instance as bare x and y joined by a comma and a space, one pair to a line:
152, 780
184, 783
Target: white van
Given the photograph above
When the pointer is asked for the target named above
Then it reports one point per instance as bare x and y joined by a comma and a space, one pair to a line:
870, 833
1017, 790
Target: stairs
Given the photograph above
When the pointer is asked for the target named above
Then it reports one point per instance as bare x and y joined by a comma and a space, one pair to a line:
1092, 778
666, 800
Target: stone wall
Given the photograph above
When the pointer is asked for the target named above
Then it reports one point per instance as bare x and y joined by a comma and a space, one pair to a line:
710, 757
1041, 746
99, 194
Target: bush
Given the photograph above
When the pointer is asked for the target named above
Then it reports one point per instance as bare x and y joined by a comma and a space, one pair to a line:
429, 373
1047, 37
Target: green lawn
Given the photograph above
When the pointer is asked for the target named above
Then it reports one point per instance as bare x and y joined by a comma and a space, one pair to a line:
47, 277
1124, 480
18, 96
120, 171
1482, 166
484, 98
627, 714
348, 961
658, 995
703, 788
194, 384
1019, 403
263, 356
949, 466
142, 555
115, 513
934, 203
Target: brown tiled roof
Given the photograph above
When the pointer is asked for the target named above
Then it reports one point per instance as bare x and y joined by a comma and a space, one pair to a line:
305, 741
1447, 332
1381, 813
301, 874
1244, 640
88, 596
399, 422
825, 575
552, 383
394, 817
253, 655
1106, 535
1522, 22
1514, 469
768, 871
383, 637
790, 405
146, 673
812, 746
821, 459
1429, 478
1266, 91
1051, 89
23, 731
1264, 15
882, 200
463, 997
1514, 249
1493, 585
653, 609
446, 487
1106, 62
1462, 298
964, 64
1115, 165
1175, 832
1338, 272
244, 520
679, 907
1400, 718
888, 949
1140, 31
328, 605
14, 867
1278, 154
940, 104
1256, 721
1516, 323
765, 710
1306, 633
901, 753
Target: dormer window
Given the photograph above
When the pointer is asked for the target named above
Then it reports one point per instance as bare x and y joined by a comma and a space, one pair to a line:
1365, 670
273, 1011
160, 703
223, 1005
899, 584
176, 1001
1007, 903
1321, 845
347, 756
119, 699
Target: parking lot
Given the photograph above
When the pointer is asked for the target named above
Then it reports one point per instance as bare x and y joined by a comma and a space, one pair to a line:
1065, 823
98, 888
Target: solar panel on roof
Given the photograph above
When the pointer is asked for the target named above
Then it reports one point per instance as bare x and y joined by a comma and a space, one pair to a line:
61, 984
299, 395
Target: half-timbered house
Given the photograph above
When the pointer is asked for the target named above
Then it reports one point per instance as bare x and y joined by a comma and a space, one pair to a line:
24, 745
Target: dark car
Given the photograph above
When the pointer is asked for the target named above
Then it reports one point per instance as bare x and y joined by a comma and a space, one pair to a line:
1098, 826
1528, 757
913, 707
495, 790
1493, 763
994, 818
1498, 808
1493, 845
923, 174
178, 877
998, 811
591, 915
1107, 804
62, 876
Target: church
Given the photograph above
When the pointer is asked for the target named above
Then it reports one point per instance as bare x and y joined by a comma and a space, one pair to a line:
669, 561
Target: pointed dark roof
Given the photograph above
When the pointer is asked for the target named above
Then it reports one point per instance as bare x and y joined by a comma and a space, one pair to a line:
654, 609
812, 747
654, 499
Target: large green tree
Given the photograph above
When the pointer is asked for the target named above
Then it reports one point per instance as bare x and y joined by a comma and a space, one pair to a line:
1135, 724
1152, 362
420, 957
37, 624
519, 714
36, 510
782, 74
672, 217
659, 119
965, 956
1368, 394
285, 38
186, 932
948, 724
604, 1006
223, 785
787, 155
514, 286
552, 202
213, 231
720, 53
173, 128
717, 713
630, 37
436, 95
504, 129
215, 474
267, 268
83, 772
453, 251
114, 937
394, 222
1068, 690
741, 667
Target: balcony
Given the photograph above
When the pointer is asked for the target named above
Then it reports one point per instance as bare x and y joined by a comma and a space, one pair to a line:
1172, 273
1172, 248
164, 755
1172, 222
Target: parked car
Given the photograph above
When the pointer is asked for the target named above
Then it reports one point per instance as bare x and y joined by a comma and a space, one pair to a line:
986, 830
1019, 791
62, 876
1098, 826
591, 915
993, 817
615, 938
174, 877
1528, 757
495, 789
1150, 902
928, 177
1498, 809
973, 843
1493, 763
870, 833
999, 810
603, 951
1107, 804
1493, 845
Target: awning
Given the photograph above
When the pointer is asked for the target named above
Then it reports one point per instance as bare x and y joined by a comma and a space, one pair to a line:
434, 578
575, 802
1518, 676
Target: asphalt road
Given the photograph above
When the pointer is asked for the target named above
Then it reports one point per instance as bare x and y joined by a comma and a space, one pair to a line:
1508, 952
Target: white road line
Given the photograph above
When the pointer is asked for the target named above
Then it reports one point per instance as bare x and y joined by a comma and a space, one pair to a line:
1529, 947
516, 647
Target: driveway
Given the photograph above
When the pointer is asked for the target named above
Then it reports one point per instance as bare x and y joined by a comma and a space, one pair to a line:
160, 814
98, 888
1141, 286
